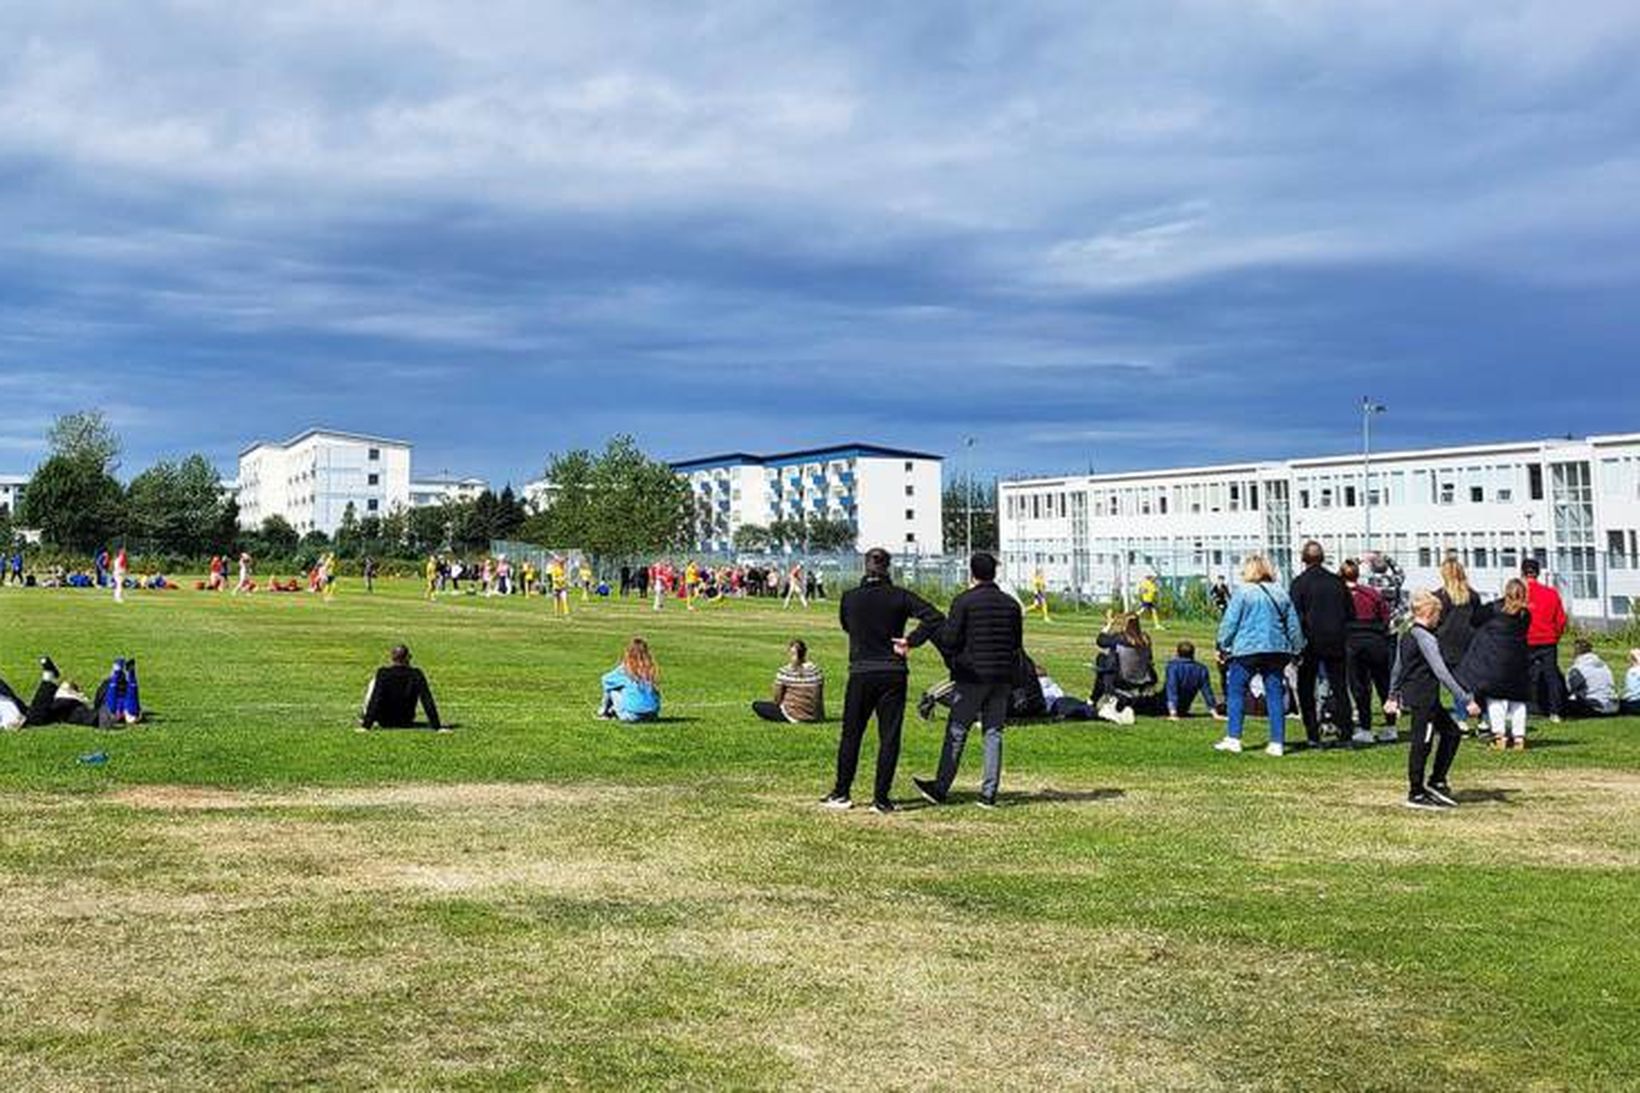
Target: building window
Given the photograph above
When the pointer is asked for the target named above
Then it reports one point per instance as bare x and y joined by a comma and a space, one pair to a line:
911, 491
908, 466
1534, 481
373, 504
1448, 493
1349, 497
1477, 494
375, 455
910, 514
375, 480
911, 537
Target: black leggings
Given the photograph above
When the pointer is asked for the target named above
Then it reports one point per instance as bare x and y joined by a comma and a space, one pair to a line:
882, 694
770, 711
48, 709
1368, 666
1432, 727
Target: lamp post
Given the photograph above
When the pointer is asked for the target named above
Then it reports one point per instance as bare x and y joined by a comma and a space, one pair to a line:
968, 494
1368, 409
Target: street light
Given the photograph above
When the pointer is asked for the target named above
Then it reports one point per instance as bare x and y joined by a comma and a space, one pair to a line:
968, 493
1368, 409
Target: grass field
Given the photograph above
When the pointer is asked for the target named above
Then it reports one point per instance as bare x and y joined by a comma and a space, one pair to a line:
249, 894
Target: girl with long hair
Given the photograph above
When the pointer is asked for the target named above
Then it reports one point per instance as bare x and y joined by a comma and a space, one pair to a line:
631, 688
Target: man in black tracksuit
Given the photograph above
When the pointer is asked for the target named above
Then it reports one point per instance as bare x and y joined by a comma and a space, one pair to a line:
874, 615
1324, 610
394, 693
984, 637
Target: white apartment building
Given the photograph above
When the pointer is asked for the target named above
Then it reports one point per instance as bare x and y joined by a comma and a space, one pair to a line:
311, 478
439, 488
1574, 504
891, 496
11, 492
538, 495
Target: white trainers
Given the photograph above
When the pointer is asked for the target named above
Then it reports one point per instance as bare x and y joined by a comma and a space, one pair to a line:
1229, 744
1274, 749
1387, 736
1361, 736
1107, 711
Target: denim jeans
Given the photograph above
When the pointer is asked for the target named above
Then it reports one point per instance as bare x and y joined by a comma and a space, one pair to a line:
1243, 669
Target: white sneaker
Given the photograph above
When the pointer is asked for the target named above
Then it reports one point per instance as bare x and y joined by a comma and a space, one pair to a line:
1361, 736
1229, 744
1107, 711
1388, 736
1124, 715
1274, 749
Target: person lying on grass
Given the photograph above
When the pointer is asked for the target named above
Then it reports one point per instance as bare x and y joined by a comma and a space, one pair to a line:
630, 688
57, 702
799, 690
394, 692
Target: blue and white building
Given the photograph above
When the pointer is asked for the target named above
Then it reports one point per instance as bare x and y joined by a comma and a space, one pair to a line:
1574, 504
313, 477
891, 496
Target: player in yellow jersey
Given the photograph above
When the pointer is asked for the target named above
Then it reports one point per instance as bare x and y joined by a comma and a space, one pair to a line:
691, 584
558, 578
432, 575
585, 575
529, 579
1039, 594
327, 576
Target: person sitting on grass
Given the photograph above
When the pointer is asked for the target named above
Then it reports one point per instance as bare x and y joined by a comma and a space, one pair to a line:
1591, 690
1124, 670
799, 690
58, 702
1187, 677
1061, 706
394, 692
630, 688
1629, 705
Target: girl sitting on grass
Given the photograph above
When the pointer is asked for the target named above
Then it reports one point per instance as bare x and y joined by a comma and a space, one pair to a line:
630, 690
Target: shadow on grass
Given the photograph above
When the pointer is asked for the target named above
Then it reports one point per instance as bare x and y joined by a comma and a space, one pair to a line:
1019, 800
1486, 796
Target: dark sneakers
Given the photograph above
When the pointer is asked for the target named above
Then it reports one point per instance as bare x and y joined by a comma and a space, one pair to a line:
48, 670
925, 706
1442, 793
987, 803
1422, 800
930, 790
882, 808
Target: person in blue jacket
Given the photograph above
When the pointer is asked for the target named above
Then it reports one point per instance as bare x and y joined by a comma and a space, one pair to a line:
1261, 633
631, 691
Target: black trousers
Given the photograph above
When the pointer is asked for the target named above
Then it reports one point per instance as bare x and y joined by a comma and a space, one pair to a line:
1432, 728
1309, 670
881, 694
47, 709
770, 711
1543, 674
1367, 662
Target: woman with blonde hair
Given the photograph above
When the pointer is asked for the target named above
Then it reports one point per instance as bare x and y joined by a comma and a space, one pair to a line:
1495, 665
1261, 634
1457, 626
631, 688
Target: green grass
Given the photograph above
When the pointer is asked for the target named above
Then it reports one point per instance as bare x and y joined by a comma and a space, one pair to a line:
250, 894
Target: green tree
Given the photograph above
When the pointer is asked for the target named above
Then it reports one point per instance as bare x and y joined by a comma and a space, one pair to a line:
175, 508
829, 534
347, 533
956, 503
428, 530
752, 537
278, 537
86, 436
73, 498
567, 520
510, 514
638, 506
225, 537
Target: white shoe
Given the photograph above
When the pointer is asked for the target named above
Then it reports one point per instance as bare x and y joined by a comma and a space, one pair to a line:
1124, 715
1229, 744
1388, 736
1107, 711
1274, 750
1361, 736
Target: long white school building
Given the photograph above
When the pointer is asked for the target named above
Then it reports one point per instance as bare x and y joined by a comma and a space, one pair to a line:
1573, 504
891, 496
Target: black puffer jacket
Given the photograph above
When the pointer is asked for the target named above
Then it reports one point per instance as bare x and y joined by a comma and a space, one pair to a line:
874, 614
1324, 607
1457, 627
1495, 664
985, 634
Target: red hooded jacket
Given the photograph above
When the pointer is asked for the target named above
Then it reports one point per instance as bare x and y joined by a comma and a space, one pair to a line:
1548, 614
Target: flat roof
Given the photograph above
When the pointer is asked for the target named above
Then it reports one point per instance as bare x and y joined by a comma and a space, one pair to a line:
341, 434
736, 459
1311, 462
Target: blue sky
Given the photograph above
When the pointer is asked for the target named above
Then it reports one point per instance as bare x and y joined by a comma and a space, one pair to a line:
1108, 234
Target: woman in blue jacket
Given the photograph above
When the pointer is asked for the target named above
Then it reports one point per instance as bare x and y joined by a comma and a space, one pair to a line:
1261, 633
631, 692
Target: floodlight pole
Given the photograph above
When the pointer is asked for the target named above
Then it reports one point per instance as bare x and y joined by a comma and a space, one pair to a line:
968, 494
1368, 409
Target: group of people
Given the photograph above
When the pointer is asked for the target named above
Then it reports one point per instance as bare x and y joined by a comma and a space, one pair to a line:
116, 702
696, 583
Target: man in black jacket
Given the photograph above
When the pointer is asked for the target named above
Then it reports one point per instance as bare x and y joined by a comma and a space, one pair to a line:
985, 636
394, 692
874, 615
1325, 609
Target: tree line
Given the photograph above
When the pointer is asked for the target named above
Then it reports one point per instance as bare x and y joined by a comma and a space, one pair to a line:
614, 503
